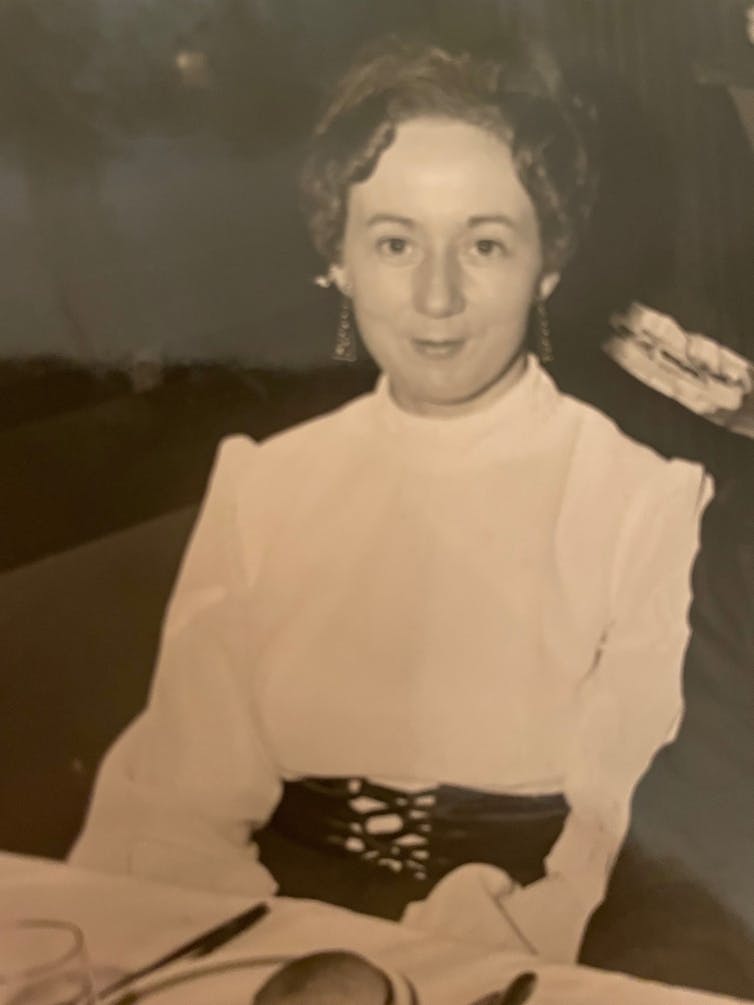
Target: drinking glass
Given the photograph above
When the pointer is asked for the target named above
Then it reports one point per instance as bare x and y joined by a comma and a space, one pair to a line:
44, 963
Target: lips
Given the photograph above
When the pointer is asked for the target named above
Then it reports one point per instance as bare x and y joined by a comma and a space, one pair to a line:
438, 348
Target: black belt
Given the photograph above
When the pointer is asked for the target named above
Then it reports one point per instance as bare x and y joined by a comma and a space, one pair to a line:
353, 842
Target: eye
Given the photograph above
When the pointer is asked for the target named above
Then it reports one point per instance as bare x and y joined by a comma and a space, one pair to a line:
488, 247
394, 247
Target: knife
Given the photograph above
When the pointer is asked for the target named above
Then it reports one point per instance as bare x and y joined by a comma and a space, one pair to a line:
199, 946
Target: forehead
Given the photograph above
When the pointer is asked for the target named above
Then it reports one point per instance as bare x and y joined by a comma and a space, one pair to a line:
440, 167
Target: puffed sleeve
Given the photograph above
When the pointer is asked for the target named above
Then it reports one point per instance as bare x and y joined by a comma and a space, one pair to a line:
630, 704
179, 792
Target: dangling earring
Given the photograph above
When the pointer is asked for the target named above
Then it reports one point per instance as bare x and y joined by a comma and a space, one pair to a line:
345, 339
544, 343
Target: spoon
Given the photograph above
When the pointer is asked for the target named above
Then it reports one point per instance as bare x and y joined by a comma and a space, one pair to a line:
518, 991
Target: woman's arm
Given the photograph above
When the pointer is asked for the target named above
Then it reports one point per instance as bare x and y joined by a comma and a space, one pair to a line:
179, 792
682, 892
630, 705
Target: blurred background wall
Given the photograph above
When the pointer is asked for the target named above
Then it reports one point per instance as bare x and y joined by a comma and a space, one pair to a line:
148, 155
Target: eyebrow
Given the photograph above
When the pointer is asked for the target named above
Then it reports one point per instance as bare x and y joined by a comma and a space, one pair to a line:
390, 218
479, 221
473, 221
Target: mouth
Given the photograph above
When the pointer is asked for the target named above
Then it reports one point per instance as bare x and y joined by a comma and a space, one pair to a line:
438, 348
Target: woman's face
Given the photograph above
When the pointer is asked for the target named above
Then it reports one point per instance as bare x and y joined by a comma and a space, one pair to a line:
442, 258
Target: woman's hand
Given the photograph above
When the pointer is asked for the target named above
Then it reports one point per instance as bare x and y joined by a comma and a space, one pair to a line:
467, 906
696, 371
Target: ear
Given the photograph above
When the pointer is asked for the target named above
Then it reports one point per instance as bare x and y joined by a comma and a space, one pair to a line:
339, 276
547, 284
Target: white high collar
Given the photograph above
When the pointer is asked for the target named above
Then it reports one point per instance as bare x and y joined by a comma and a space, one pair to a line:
508, 425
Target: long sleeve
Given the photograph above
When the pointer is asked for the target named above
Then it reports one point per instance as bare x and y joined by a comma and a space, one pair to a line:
180, 791
682, 891
630, 705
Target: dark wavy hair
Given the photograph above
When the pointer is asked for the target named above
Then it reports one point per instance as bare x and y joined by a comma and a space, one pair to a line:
520, 98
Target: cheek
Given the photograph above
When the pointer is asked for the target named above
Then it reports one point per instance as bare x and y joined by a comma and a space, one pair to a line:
502, 299
380, 293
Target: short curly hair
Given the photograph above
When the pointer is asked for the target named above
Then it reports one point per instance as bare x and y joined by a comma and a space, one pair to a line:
520, 98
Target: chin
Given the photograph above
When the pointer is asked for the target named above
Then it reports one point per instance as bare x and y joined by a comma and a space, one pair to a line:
458, 392
462, 397
451, 395
450, 402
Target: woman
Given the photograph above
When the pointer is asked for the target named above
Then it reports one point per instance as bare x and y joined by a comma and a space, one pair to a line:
423, 647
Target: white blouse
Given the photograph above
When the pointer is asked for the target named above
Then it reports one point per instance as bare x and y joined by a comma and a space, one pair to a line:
495, 601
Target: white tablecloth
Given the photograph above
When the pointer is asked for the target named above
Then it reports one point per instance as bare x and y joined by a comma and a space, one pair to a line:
128, 922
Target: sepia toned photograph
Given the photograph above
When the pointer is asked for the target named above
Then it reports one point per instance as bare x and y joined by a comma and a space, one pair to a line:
377, 466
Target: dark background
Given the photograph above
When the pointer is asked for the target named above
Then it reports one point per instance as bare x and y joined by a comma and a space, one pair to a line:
156, 295
151, 238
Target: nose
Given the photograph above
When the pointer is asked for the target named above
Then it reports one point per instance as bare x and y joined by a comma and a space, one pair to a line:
438, 288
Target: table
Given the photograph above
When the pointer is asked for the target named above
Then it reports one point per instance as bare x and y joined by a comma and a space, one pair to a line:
128, 922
